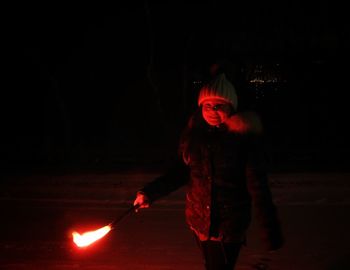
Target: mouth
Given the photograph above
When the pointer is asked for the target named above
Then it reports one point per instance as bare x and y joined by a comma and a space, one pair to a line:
213, 121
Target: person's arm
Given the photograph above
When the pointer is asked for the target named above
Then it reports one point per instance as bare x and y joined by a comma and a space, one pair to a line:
173, 179
258, 185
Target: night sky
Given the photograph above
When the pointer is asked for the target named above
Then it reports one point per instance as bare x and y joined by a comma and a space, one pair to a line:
102, 87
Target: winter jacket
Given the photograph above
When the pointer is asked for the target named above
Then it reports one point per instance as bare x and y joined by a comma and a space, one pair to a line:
225, 171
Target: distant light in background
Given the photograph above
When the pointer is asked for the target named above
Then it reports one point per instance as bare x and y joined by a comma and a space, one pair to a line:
263, 77
197, 83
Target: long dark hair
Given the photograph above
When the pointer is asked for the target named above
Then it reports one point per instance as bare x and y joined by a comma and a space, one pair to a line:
193, 131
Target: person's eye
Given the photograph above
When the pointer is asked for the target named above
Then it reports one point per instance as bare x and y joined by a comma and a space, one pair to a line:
218, 106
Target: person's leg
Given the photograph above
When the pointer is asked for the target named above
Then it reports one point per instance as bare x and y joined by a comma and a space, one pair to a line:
218, 255
231, 253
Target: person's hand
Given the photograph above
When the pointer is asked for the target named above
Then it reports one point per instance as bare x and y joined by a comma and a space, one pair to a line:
141, 200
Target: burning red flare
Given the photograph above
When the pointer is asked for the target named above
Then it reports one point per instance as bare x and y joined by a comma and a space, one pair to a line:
86, 239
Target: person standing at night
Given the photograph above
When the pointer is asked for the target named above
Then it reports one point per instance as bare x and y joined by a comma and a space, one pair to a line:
224, 166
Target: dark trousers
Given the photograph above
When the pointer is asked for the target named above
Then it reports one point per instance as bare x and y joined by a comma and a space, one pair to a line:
219, 255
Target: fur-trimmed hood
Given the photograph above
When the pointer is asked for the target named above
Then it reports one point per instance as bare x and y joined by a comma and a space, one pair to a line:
247, 122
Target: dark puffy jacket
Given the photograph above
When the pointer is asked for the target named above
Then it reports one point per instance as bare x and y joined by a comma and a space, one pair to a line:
225, 171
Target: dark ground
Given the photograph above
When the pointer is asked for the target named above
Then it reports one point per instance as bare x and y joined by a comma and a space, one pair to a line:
39, 212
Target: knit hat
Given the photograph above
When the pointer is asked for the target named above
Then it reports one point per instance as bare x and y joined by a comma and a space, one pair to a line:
219, 88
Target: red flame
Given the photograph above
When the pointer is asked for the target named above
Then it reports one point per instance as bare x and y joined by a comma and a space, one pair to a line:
86, 239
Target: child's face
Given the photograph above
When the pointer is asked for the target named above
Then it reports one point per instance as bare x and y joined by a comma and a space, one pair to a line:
215, 111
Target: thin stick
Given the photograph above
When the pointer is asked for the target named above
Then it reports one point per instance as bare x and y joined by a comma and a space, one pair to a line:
124, 214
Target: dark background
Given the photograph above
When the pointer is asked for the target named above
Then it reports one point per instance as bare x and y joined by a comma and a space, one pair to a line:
105, 88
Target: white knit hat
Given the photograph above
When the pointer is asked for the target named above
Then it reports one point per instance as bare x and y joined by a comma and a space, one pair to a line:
219, 88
